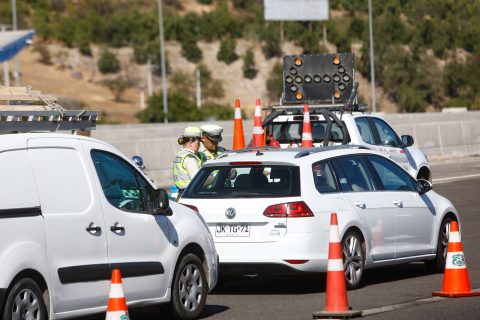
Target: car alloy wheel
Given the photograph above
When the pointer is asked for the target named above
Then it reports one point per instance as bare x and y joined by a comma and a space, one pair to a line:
438, 264
353, 259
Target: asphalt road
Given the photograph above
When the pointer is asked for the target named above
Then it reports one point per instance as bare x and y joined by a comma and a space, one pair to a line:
400, 292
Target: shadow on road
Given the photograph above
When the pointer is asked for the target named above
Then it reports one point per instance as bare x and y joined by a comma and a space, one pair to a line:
394, 273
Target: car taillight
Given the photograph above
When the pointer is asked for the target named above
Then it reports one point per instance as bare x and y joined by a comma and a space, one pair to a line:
191, 207
297, 209
296, 261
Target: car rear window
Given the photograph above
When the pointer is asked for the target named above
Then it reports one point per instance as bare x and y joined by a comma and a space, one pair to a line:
252, 181
285, 132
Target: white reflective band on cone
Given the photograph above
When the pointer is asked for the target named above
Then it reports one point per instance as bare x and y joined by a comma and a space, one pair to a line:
116, 291
306, 117
257, 130
306, 136
238, 113
455, 260
335, 265
454, 237
334, 234
258, 111
117, 315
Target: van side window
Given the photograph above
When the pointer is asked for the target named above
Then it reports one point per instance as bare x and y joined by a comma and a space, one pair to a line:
388, 137
364, 130
122, 185
17, 189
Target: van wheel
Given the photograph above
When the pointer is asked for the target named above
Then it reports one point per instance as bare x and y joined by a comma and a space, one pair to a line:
25, 302
438, 264
353, 249
190, 289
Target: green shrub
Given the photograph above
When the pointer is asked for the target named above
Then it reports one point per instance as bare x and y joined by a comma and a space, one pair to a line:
271, 47
108, 62
249, 70
180, 108
205, 1
227, 51
190, 50
212, 112
275, 82
45, 55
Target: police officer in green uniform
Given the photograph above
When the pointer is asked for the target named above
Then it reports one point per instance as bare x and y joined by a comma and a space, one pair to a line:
211, 136
187, 161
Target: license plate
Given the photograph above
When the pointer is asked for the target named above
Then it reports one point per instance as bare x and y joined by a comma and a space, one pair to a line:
232, 230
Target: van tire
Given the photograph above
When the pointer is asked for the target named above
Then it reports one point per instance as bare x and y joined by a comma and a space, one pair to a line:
31, 298
189, 289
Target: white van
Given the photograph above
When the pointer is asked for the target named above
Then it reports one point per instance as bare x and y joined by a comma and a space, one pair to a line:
72, 209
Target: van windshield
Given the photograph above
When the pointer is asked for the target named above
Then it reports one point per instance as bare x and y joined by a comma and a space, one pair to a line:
257, 181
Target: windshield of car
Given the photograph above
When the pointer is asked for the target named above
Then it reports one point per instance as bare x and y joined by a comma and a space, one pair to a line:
285, 132
257, 181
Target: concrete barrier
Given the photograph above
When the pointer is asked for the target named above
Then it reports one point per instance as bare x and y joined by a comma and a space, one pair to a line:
439, 135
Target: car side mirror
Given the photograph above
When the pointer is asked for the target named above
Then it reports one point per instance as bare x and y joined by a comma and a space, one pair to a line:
423, 186
407, 140
161, 203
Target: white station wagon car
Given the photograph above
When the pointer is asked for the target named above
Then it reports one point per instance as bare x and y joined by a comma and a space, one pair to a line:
269, 211
74, 208
356, 127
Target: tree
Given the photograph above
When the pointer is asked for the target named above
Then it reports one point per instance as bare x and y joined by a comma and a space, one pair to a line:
249, 70
108, 62
227, 50
118, 85
275, 82
271, 36
180, 108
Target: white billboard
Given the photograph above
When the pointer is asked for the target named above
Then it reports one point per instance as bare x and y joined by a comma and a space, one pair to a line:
296, 10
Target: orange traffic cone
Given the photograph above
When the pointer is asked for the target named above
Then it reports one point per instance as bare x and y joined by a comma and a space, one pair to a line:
336, 304
307, 141
117, 305
455, 280
238, 138
258, 138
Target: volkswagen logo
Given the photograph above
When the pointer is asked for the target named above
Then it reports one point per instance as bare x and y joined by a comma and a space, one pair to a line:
230, 213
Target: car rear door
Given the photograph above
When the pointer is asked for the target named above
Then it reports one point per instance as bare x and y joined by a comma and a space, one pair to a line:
75, 230
377, 212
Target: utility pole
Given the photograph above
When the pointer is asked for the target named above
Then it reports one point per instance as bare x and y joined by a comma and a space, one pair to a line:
162, 58
149, 78
16, 74
372, 66
199, 90
6, 76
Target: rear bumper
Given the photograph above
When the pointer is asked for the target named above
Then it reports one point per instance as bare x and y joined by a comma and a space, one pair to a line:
256, 257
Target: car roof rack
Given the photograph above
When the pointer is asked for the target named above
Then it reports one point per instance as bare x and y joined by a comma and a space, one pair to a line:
25, 110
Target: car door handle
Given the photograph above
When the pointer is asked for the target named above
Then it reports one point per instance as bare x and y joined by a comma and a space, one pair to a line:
93, 228
398, 203
360, 204
117, 227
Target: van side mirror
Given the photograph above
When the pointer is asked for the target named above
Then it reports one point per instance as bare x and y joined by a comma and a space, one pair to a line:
139, 162
423, 186
407, 140
161, 203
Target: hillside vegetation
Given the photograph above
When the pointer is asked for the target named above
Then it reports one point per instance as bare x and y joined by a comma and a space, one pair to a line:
426, 51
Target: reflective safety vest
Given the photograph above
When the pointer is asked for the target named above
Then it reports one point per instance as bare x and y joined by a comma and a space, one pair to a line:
206, 155
180, 174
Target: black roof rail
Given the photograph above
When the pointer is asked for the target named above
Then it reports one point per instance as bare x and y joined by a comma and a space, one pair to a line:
309, 151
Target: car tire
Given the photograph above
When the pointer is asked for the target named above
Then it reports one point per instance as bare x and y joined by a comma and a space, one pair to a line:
353, 249
25, 301
189, 289
438, 264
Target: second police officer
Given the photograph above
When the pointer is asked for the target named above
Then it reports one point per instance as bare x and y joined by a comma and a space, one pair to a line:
187, 161
211, 136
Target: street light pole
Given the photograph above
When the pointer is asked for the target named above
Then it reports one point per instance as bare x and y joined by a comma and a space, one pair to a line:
16, 74
162, 58
372, 67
